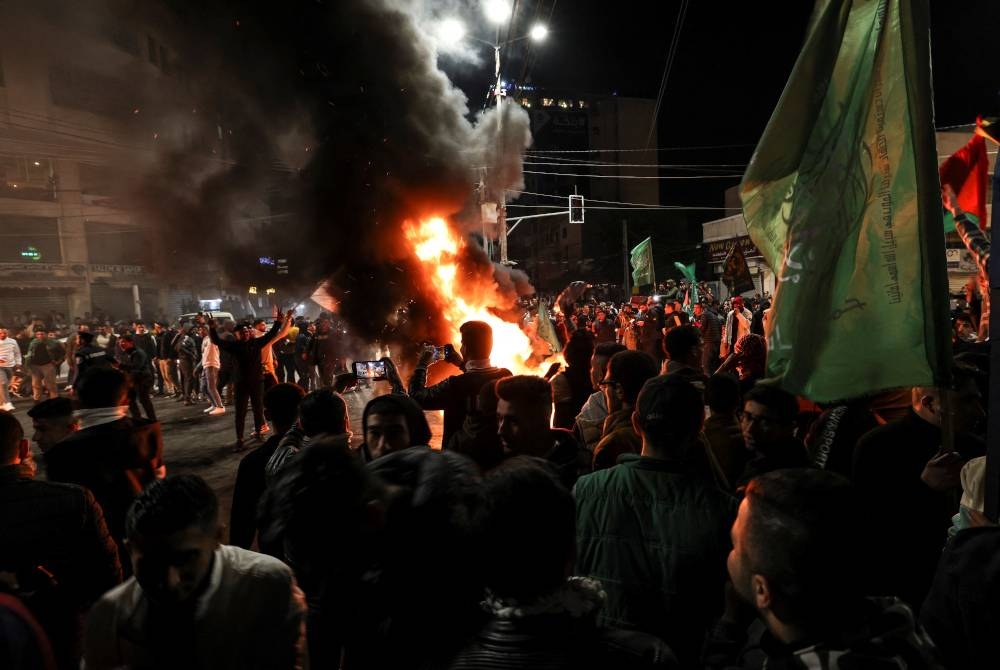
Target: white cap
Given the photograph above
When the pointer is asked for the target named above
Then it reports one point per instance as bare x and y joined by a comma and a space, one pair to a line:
974, 483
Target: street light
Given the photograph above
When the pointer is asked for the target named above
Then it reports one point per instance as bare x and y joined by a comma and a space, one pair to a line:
452, 31
497, 11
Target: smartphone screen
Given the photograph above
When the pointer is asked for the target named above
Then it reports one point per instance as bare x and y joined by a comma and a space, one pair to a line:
374, 370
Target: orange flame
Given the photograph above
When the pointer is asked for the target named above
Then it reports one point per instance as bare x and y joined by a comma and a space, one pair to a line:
438, 247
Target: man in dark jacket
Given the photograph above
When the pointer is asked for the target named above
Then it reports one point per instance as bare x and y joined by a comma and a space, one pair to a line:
248, 371
627, 373
711, 334
187, 352
133, 362
457, 395
88, 356
538, 617
904, 474
55, 542
962, 610
281, 408
655, 534
768, 425
166, 358
795, 561
524, 405
112, 455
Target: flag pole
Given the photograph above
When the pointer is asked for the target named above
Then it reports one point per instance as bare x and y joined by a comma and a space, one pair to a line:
992, 491
625, 260
652, 266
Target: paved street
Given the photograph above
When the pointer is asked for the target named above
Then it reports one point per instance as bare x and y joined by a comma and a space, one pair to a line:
197, 443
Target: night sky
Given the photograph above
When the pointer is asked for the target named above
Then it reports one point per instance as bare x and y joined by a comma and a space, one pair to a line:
731, 64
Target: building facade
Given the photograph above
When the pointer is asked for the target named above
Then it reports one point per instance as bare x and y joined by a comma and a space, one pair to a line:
80, 87
586, 145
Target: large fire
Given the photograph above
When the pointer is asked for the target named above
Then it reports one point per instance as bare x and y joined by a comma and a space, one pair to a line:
461, 300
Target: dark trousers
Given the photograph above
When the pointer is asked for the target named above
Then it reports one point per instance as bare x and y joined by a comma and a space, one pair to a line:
139, 394
286, 368
254, 392
186, 366
306, 374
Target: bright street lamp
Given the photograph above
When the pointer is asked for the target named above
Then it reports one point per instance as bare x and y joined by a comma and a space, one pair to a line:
451, 31
497, 11
539, 32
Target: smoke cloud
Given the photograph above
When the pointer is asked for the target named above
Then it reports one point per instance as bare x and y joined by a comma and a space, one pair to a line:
331, 124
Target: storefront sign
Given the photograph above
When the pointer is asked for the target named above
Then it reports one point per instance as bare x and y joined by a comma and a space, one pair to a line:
32, 268
717, 251
117, 269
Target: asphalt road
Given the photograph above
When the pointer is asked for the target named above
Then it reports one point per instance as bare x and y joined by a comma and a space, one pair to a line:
196, 443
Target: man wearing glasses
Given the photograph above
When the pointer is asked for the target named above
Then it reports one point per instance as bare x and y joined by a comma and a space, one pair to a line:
768, 425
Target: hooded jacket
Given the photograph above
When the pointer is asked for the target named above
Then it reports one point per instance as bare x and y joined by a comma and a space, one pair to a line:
114, 460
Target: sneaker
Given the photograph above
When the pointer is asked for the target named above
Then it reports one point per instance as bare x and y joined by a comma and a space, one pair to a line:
216, 411
8, 407
207, 410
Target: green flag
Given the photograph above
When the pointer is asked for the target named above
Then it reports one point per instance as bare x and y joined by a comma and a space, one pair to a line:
545, 330
842, 198
642, 263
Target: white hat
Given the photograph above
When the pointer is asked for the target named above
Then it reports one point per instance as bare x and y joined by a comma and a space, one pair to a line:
974, 483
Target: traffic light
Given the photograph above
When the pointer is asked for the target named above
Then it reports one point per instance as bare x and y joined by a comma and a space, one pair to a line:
576, 209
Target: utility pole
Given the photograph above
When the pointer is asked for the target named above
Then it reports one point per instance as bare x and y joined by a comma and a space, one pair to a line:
625, 259
502, 201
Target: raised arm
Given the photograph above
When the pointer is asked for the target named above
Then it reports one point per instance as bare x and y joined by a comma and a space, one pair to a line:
279, 329
218, 341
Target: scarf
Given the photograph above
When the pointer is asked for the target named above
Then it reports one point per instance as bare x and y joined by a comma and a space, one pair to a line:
578, 597
100, 415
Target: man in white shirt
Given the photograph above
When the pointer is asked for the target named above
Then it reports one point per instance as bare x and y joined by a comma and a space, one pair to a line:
737, 325
10, 360
194, 602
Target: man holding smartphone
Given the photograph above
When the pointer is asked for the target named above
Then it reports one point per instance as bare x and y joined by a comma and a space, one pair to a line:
457, 395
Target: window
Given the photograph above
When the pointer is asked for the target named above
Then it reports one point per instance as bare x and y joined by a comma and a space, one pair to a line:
582, 104
547, 102
122, 37
29, 239
563, 104
114, 244
26, 178
90, 92
525, 102
153, 51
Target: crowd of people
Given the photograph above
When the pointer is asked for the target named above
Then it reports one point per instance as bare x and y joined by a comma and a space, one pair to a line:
178, 360
651, 502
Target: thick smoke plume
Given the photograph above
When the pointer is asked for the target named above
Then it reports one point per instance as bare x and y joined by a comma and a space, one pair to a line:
338, 113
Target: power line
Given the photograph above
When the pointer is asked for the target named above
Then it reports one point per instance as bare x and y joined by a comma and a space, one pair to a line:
664, 208
663, 166
674, 41
606, 202
614, 176
595, 151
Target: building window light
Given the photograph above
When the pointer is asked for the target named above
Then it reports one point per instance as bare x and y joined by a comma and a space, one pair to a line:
548, 102
563, 104
582, 104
